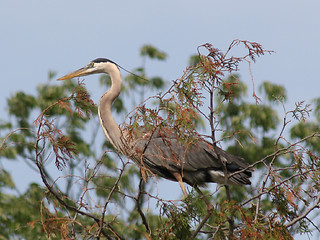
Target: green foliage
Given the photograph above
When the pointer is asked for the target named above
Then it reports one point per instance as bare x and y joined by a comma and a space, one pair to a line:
305, 129
20, 105
20, 215
316, 110
152, 52
194, 60
273, 91
177, 225
5, 179
236, 113
177, 221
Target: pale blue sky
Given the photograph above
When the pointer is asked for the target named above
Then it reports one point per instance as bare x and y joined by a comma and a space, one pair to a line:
38, 36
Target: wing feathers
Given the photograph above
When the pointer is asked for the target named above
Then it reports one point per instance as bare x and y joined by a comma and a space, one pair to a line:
198, 163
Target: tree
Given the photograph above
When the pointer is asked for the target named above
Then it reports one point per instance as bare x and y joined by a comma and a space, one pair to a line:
103, 195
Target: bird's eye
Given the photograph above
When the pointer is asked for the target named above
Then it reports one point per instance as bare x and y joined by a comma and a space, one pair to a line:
90, 65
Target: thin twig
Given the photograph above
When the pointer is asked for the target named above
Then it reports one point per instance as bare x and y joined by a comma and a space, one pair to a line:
315, 205
209, 213
115, 185
138, 205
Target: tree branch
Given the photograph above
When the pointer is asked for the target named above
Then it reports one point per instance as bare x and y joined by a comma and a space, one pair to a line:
138, 206
304, 215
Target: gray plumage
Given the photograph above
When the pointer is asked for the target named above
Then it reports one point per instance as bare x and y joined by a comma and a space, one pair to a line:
198, 163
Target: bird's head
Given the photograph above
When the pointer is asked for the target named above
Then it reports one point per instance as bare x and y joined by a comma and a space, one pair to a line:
99, 65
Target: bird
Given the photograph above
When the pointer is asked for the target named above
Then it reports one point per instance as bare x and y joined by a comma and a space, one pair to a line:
159, 151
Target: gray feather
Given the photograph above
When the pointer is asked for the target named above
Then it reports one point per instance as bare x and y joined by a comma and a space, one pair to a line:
198, 162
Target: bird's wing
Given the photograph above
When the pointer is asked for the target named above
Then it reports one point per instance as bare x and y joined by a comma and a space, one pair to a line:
165, 150
196, 160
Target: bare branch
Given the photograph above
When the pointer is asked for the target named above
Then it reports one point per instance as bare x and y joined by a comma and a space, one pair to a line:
304, 215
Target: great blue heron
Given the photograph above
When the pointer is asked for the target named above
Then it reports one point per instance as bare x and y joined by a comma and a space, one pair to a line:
161, 152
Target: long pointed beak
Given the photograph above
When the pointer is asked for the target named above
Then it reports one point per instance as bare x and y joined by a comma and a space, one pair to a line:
78, 73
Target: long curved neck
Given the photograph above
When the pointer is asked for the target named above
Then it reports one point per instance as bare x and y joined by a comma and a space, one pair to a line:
110, 127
